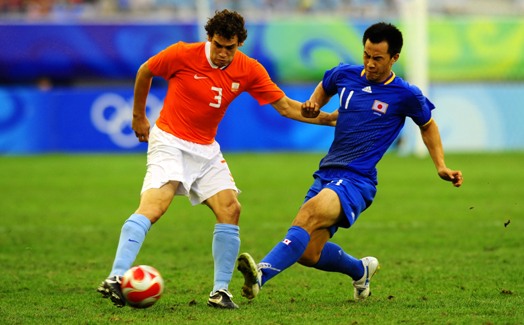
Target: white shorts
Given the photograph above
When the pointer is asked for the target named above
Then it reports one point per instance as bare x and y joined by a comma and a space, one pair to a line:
201, 169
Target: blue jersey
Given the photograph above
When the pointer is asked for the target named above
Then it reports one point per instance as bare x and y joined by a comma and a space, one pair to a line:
371, 115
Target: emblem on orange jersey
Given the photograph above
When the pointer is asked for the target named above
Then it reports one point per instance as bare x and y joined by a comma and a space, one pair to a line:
235, 86
380, 107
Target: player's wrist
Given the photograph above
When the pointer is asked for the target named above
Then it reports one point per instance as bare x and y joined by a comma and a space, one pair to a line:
139, 116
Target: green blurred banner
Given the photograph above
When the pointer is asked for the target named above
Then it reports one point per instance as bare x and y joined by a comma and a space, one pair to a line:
476, 49
473, 49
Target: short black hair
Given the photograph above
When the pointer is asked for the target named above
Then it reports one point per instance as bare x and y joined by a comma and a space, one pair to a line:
227, 24
382, 31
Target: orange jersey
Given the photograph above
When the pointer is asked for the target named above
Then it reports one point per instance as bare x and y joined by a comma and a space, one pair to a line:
199, 94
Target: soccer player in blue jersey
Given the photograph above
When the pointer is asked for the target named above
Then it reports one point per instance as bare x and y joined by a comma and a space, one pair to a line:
374, 104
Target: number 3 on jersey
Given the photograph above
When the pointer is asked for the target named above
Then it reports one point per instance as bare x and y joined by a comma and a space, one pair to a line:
217, 97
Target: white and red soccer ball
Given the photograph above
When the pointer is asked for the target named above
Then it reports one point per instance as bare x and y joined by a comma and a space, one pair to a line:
142, 286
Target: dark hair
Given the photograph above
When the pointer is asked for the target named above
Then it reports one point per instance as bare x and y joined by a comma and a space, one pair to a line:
379, 32
227, 24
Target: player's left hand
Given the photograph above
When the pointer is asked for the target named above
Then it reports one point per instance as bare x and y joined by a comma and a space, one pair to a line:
453, 176
310, 109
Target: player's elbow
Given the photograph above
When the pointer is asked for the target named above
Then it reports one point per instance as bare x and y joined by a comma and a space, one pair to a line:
283, 107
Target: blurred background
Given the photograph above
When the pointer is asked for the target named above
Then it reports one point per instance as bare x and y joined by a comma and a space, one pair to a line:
67, 68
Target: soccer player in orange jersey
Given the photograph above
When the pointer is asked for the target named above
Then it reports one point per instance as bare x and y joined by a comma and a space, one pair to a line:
183, 157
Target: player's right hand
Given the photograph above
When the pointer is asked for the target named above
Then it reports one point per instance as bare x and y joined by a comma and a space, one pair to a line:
310, 109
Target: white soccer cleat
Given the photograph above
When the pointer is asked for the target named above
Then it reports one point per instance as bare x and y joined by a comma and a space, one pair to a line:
252, 276
371, 266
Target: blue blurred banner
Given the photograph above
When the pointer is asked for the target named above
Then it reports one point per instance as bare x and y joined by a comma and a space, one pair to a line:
470, 117
83, 51
480, 117
99, 120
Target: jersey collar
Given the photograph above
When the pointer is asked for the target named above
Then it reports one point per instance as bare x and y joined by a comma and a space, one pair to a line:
388, 80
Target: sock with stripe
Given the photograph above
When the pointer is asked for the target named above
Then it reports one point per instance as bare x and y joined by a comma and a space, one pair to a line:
334, 259
285, 253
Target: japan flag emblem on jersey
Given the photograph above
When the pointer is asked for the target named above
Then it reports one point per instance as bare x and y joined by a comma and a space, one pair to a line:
380, 107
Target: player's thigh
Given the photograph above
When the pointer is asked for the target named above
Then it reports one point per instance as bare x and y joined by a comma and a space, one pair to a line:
155, 201
214, 177
225, 206
320, 212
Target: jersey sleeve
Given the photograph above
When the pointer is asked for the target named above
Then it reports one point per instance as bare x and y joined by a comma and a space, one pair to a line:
163, 64
262, 88
329, 81
419, 107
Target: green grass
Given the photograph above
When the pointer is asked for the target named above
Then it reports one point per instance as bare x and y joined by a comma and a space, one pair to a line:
447, 256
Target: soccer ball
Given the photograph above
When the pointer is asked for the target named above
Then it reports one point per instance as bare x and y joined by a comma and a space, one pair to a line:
142, 286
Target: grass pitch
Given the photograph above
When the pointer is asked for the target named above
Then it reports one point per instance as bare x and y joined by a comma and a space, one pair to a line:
448, 255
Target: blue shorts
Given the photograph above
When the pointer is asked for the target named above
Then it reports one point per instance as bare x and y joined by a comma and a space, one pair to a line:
356, 193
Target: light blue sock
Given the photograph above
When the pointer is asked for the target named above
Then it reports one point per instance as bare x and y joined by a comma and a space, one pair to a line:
334, 259
285, 253
226, 245
132, 236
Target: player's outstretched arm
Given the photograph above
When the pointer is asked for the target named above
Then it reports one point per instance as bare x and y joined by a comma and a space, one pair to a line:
309, 111
293, 109
431, 136
140, 123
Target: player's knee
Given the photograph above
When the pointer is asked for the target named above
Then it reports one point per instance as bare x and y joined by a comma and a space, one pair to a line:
307, 220
153, 213
229, 212
309, 258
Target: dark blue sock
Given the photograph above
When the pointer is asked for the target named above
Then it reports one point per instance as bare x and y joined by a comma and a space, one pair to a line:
285, 253
334, 259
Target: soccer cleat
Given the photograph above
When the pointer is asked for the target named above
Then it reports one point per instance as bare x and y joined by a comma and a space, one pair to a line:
371, 266
221, 299
110, 288
252, 276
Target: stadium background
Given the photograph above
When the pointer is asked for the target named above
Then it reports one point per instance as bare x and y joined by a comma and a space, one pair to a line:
67, 69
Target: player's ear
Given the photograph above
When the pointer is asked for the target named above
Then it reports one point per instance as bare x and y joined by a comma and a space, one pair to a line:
240, 44
395, 57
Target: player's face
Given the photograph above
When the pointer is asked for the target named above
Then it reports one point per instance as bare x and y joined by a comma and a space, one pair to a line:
377, 61
223, 50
